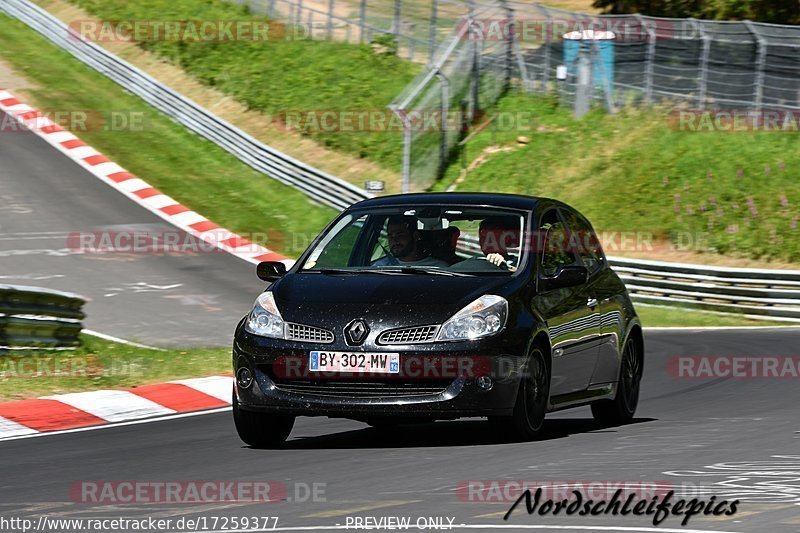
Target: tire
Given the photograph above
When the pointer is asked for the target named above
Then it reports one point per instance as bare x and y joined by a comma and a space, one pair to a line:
622, 408
532, 400
261, 430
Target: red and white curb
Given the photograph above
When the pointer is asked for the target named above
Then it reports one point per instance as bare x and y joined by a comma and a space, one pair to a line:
96, 408
133, 187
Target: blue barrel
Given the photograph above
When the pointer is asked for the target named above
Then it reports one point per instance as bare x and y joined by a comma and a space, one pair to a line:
579, 43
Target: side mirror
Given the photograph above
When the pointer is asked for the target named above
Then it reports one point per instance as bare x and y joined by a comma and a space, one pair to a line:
270, 270
568, 276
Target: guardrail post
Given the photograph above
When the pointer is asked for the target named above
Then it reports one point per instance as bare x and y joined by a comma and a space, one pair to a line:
299, 20
762, 61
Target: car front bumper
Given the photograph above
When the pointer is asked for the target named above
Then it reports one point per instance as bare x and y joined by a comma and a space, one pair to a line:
442, 394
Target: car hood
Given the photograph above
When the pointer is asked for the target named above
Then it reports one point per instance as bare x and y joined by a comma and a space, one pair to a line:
390, 299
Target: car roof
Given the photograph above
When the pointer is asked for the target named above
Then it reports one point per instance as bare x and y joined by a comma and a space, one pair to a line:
514, 201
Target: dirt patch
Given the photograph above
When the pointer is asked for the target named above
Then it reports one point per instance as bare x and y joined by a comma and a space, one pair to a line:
13, 80
350, 168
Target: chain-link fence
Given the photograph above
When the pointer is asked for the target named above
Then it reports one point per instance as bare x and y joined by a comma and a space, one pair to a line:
468, 74
706, 64
415, 27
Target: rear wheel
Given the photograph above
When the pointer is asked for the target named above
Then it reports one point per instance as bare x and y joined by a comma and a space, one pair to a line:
261, 430
622, 408
532, 398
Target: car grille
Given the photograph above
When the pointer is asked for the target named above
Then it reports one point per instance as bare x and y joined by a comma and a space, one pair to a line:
363, 389
301, 332
412, 335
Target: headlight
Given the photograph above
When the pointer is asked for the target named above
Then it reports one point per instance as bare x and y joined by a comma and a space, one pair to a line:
484, 317
265, 319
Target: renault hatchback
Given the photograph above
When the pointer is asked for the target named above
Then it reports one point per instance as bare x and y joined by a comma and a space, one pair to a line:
439, 306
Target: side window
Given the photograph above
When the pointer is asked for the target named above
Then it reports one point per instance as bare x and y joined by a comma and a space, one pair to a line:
584, 241
555, 245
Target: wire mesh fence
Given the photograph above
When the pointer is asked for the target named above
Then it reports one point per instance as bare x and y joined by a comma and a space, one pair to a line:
415, 27
704, 64
474, 49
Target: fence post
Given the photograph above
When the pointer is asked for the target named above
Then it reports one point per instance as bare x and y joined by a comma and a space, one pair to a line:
405, 186
362, 19
398, 7
299, 18
509, 42
706, 50
475, 73
432, 31
330, 19
549, 35
651, 55
445, 109
271, 9
762, 61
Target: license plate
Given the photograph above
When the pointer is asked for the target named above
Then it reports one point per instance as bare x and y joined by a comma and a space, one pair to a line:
377, 363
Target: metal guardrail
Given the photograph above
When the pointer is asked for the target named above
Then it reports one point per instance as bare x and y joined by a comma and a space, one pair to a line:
758, 293
318, 185
36, 317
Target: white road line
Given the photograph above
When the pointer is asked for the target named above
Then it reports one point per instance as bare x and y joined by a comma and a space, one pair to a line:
217, 386
119, 341
113, 405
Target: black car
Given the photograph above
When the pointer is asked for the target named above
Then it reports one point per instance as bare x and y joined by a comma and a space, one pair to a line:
438, 306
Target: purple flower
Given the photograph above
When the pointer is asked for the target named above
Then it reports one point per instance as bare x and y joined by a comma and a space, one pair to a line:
784, 201
733, 228
793, 223
739, 173
678, 197
781, 166
712, 200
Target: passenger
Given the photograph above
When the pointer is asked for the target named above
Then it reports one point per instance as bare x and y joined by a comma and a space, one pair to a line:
404, 249
495, 235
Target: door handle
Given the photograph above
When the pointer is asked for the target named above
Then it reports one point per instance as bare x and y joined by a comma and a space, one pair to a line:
592, 302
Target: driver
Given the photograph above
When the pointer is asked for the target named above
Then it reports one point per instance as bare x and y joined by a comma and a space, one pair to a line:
404, 248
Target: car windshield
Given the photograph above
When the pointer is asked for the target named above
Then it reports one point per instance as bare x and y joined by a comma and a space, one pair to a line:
430, 239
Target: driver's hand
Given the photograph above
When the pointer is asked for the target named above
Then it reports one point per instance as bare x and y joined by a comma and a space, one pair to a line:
499, 260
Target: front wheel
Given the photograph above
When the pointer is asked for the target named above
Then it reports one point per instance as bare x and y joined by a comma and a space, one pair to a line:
261, 430
622, 408
531, 405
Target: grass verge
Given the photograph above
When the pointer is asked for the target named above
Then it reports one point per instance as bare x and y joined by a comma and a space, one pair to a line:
282, 75
192, 170
101, 364
721, 193
684, 318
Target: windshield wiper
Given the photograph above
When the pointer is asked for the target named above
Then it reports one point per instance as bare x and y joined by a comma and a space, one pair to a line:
428, 270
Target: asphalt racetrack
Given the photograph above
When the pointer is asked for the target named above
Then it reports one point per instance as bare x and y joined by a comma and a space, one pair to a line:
732, 438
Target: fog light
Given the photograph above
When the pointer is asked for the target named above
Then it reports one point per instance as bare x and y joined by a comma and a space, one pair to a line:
484, 383
244, 378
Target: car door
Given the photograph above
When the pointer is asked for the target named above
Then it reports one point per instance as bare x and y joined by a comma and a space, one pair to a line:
604, 288
572, 320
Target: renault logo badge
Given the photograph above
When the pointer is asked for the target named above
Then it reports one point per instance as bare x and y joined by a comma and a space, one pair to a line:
356, 332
